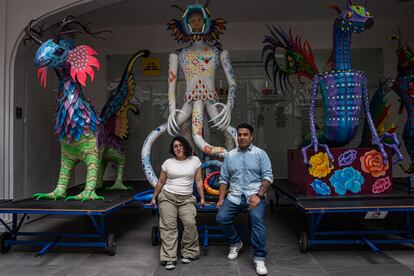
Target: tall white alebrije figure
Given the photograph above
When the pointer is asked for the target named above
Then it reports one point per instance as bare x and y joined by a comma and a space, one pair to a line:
198, 62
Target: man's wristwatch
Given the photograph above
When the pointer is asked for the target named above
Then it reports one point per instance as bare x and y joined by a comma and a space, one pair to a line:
260, 196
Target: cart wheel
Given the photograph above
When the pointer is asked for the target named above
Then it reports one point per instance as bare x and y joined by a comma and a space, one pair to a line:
154, 236
111, 246
4, 248
271, 206
303, 242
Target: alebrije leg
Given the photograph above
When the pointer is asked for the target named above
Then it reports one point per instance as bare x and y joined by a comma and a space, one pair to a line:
90, 156
101, 172
67, 163
119, 159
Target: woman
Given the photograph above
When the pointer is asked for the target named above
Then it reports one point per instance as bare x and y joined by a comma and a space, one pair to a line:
175, 199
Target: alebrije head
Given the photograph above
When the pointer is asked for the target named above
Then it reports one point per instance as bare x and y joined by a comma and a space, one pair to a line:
355, 18
60, 50
195, 24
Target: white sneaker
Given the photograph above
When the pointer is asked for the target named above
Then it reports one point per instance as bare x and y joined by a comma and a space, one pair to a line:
186, 260
169, 265
260, 267
234, 251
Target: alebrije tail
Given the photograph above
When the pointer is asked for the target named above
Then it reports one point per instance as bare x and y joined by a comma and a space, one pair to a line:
114, 113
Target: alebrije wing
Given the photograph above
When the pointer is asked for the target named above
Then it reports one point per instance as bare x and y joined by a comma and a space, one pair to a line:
115, 111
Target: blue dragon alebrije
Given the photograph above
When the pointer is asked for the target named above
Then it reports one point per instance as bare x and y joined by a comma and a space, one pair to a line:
297, 59
344, 90
84, 136
404, 87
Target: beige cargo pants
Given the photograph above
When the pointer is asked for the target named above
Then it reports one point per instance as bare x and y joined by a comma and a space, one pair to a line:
181, 206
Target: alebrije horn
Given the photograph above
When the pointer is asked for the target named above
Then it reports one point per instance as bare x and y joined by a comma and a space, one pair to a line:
178, 7
31, 33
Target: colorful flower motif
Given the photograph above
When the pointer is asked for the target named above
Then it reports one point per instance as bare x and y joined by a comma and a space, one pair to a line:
320, 165
346, 158
320, 187
372, 162
347, 179
381, 185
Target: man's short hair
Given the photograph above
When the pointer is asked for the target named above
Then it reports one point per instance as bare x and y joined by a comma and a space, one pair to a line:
245, 125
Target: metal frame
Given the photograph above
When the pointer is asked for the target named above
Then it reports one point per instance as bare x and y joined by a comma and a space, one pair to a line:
314, 217
97, 218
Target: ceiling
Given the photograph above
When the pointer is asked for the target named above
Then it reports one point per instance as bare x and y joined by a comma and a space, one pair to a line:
145, 12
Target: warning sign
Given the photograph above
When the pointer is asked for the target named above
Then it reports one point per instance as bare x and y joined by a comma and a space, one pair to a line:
151, 66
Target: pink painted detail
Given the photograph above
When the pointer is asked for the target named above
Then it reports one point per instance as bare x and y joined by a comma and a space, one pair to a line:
213, 150
70, 111
75, 98
381, 185
82, 61
172, 76
200, 91
41, 74
67, 84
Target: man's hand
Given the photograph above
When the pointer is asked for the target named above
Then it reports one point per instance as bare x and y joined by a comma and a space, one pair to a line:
254, 200
219, 204
202, 202
153, 203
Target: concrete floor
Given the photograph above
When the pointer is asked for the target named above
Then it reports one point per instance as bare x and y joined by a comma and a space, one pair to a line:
136, 256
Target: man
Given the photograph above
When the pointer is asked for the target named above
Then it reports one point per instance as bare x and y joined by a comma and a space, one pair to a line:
247, 171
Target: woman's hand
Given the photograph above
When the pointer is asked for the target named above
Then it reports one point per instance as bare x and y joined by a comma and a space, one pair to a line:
153, 202
202, 202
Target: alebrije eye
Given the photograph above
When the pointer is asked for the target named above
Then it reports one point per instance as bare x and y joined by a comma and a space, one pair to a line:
59, 52
349, 15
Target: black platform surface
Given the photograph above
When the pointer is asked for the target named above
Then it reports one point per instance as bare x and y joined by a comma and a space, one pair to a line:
398, 199
3, 201
113, 199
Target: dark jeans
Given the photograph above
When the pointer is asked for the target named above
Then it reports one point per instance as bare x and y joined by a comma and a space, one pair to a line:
225, 217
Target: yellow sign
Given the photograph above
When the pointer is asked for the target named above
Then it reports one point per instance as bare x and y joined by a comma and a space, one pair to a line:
151, 66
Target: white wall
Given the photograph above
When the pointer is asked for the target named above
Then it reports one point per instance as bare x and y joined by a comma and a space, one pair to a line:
4, 189
126, 40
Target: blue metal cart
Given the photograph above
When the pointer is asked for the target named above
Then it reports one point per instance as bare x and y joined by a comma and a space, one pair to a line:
316, 208
96, 211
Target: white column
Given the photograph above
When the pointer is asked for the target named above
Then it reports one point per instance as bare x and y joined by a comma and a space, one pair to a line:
5, 184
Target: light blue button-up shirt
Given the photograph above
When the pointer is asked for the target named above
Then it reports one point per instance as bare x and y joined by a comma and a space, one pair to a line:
244, 171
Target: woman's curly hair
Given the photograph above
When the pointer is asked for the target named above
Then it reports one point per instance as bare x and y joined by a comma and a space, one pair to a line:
188, 150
